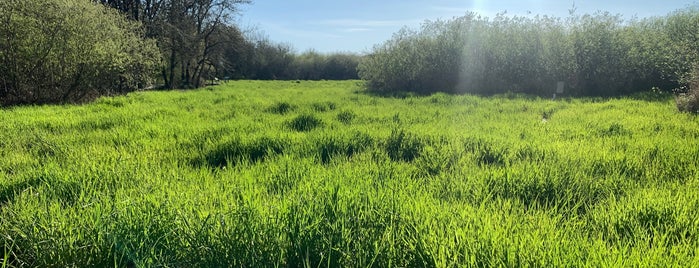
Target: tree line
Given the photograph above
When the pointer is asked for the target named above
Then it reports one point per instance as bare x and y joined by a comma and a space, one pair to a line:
597, 54
199, 41
54, 51
257, 57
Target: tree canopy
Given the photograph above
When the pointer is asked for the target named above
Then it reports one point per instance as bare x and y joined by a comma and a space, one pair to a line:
69, 50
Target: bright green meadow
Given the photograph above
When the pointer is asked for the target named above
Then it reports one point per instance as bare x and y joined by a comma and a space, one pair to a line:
322, 174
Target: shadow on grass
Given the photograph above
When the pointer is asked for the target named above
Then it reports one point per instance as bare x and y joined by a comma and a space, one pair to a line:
234, 152
651, 95
9, 192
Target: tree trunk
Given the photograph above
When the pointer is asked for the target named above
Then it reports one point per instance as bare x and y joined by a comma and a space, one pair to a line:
171, 85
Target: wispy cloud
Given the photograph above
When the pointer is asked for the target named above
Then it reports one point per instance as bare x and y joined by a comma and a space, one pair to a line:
357, 30
363, 26
298, 31
450, 9
357, 23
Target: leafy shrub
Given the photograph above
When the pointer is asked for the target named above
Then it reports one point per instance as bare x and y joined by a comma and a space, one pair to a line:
265, 60
689, 101
312, 65
68, 51
305, 122
594, 55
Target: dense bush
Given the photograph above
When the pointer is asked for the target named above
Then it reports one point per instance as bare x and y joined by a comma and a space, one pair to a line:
688, 101
65, 51
594, 55
266, 60
312, 65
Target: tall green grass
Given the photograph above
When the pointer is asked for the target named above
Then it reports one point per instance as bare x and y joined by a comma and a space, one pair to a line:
234, 176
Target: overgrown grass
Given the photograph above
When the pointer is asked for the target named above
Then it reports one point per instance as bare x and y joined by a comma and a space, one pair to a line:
259, 174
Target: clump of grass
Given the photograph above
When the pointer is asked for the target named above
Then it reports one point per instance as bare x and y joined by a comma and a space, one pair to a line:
659, 216
40, 146
486, 152
324, 106
531, 153
330, 147
346, 117
402, 146
281, 108
235, 151
437, 159
305, 122
549, 188
615, 129
9, 192
284, 179
440, 99
547, 113
112, 101
223, 153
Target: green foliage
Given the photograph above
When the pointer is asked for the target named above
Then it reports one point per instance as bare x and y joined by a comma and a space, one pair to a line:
689, 101
594, 55
211, 178
65, 51
312, 65
256, 57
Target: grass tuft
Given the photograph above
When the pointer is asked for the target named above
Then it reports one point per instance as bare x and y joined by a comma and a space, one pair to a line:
281, 108
323, 106
331, 147
235, 151
402, 146
305, 122
346, 117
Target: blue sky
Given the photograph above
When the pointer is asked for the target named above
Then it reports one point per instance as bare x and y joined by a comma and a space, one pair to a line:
356, 26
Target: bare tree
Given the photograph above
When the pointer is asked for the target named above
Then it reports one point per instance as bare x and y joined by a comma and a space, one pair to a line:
186, 32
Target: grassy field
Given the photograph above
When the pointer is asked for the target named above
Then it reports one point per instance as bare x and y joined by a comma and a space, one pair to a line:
319, 174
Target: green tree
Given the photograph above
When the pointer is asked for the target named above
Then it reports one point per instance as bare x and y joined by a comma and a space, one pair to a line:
188, 34
69, 50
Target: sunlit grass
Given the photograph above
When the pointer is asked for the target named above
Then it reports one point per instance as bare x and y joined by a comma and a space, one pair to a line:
259, 174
